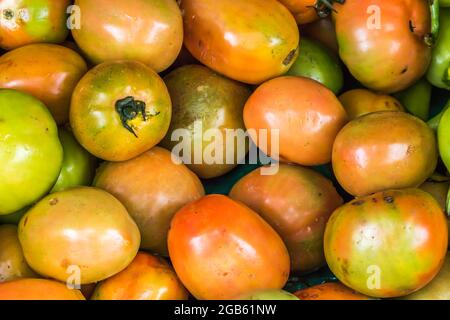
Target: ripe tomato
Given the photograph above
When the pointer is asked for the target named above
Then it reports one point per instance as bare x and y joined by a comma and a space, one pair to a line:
152, 188
330, 291
142, 30
119, 110
384, 150
307, 114
297, 203
268, 295
359, 102
146, 278
389, 244
37, 289
383, 42
240, 39
221, 249
30, 152
47, 71
30, 21
81, 231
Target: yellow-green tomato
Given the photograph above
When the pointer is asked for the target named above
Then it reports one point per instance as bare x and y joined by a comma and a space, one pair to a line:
444, 138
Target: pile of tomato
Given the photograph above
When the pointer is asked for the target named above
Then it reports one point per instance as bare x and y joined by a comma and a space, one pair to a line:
95, 202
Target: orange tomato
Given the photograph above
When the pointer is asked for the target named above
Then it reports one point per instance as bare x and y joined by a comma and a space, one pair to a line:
37, 289
306, 113
221, 249
330, 291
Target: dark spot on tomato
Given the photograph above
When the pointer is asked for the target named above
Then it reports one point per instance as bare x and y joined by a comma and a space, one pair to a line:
25, 221
411, 26
386, 103
358, 203
289, 57
53, 201
374, 200
404, 70
8, 14
389, 199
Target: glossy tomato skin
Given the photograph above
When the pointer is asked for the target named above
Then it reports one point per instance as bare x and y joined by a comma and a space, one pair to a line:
377, 44
303, 10
221, 249
384, 150
96, 121
330, 291
389, 244
146, 278
146, 31
297, 203
30, 152
307, 114
47, 71
239, 39
204, 98
152, 188
30, 21
82, 227
37, 289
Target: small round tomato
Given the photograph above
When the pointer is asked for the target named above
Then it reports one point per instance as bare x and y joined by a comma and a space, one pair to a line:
221, 249
30, 21
47, 71
30, 152
384, 150
146, 278
37, 289
383, 43
84, 229
250, 41
78, 166
297, 203
359, 102
388, 244
307, 114
268, 295
153, 188
330, 291
142, 30
12, 262
119, 110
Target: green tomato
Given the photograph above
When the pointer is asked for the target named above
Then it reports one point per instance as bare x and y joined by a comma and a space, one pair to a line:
269, 295
78, 166
30, 152
315, 62
444, 138
416, 99
439, 70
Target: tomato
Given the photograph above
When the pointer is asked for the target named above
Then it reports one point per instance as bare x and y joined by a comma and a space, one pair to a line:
389, 244
417, 98
307, 114
152, 188
37, 289
444, 138
329, 291
322, 31
297, 203
240, 39
439, 71
359, 102
383, 42
205, 102
384, 150
147, 31
83, 230
30, 21
12, 262
269, 295
315, 62
221, 249
47, 71
438, 289
30, 152
146, 278
119, 110
304, 11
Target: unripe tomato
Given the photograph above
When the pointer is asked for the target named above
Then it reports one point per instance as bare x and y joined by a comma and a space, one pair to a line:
330, 291
37, 289
444, 138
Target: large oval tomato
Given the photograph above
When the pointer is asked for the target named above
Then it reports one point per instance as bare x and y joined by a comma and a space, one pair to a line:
297, 203
307, 114
142, 30
84, 231
383, 42
30, 21
37, 289
249, 41
153, 188
204, 103
384, 150
388, 244
30, 152
330, 291
47, 71
221, 249
119, 110
146, 278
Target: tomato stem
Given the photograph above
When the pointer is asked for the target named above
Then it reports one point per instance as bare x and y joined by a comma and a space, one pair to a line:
128, 109
325, 7
434, 10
